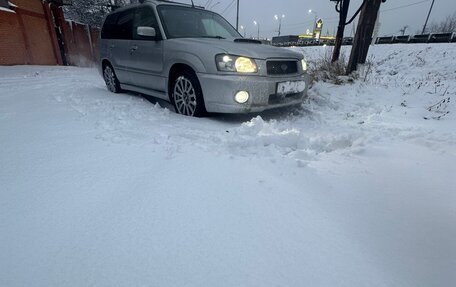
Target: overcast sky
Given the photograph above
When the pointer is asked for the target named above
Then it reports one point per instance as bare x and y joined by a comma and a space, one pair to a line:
297, 19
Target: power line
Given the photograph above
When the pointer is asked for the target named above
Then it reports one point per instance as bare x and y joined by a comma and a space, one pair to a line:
404, 6
335, 19
228, 7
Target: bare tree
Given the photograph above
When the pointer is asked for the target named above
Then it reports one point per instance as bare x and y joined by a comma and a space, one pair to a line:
403, 30
446, 26
92, 12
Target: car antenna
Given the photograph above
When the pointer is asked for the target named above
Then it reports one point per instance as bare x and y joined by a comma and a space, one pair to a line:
193, 4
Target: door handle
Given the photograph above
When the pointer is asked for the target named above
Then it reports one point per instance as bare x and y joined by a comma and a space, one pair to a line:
133, 48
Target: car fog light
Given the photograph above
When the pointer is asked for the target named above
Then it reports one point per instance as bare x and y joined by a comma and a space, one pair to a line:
241, 97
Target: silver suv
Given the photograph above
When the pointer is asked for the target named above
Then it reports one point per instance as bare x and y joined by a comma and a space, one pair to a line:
195, 59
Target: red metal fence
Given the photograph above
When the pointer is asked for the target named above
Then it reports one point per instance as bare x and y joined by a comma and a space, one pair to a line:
80, 44
36, 33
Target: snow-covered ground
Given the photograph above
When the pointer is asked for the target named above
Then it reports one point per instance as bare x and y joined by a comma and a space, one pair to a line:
357, 188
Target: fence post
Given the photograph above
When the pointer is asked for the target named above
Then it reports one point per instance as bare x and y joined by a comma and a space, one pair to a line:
51, 27
59, 19
28, 54
89, 35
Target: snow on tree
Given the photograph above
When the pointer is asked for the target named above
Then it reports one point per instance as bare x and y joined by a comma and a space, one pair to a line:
92, 12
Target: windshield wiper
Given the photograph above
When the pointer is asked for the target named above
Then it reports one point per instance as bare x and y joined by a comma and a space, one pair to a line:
212, 37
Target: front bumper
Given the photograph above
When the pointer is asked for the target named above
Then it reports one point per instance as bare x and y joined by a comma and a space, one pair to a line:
219, 91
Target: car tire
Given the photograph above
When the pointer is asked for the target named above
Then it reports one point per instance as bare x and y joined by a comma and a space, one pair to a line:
187, 95
110, 78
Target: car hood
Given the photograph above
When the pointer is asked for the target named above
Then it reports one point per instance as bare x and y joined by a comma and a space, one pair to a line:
230, 46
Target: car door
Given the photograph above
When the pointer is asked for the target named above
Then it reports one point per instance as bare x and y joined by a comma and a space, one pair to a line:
108, 38
120, 46
146, 53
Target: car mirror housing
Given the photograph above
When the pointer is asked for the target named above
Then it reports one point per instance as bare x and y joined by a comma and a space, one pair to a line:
148, 32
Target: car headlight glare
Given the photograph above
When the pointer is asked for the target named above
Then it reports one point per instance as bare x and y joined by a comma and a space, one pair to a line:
304, 65
229, 63
245, 65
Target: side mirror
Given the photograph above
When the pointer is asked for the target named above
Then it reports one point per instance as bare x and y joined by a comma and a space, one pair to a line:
148, 32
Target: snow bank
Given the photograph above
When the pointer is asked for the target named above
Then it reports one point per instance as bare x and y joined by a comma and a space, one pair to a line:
356, 188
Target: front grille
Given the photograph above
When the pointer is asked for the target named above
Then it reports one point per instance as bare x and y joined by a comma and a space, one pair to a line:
282, 67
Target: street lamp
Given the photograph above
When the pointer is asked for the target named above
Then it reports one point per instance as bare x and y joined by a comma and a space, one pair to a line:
243, 29
258, 26
280, 22
316, 16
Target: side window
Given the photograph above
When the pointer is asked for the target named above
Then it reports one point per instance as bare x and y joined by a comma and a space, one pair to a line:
124, 27
109, 27
145, 16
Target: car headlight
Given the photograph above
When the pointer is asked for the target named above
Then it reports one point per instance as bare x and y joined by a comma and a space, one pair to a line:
229, 63
304, 65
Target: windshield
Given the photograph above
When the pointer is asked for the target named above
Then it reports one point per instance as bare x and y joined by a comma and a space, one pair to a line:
186, 22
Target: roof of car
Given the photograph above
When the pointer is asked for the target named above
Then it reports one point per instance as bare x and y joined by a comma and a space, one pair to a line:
155, 2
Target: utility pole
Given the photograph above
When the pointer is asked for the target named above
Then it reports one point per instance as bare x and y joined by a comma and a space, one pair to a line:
427, 19
237, 16
363, 37
341, 28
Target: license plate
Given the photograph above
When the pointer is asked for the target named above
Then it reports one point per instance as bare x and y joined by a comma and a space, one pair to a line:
291, 87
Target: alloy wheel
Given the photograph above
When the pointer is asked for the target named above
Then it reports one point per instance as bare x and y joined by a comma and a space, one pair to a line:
110, 79
184, 96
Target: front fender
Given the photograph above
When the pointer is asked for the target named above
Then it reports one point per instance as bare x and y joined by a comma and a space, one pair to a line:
188, 59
